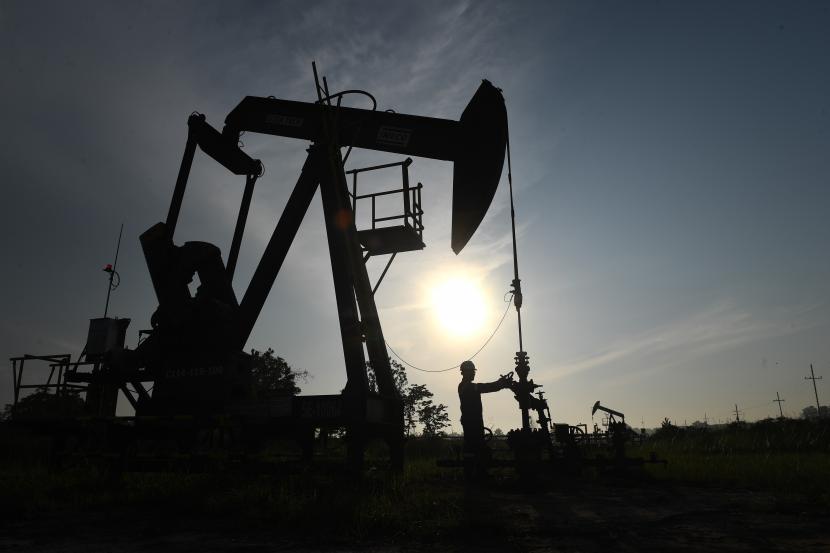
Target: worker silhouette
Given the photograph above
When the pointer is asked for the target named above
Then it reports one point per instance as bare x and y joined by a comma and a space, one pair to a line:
476, 452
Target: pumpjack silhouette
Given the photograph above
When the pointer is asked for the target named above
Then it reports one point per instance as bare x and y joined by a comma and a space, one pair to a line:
191, 366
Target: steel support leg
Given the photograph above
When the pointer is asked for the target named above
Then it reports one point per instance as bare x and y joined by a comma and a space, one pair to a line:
271, 262
343, 236
239, 230
181, 183
337, 226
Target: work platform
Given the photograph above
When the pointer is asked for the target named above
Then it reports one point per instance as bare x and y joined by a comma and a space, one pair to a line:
383, 240
387, 240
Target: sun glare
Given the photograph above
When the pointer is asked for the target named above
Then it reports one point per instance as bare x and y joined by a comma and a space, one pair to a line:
459, 306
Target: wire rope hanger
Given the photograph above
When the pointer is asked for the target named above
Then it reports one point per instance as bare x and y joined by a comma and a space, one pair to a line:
521, 358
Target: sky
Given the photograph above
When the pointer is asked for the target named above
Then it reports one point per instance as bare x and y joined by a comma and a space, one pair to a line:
670, 164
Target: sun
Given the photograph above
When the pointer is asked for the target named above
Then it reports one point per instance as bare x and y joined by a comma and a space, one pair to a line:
459, 305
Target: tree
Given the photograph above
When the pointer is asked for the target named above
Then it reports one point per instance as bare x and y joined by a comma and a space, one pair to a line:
809, 412
398, 376
43, 404
410, 395
414, 398
667, 430
418, 407
433, 417
272, 377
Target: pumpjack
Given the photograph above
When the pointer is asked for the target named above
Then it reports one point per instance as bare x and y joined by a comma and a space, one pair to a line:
617, 432
192, 363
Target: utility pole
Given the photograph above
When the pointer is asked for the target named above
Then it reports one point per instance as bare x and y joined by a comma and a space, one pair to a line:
779, 400
813, 377
737, 414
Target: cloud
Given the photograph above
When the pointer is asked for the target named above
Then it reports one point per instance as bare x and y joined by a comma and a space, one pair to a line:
719, 327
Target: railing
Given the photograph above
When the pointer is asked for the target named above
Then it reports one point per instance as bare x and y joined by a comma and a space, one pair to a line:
60, 365
412, 211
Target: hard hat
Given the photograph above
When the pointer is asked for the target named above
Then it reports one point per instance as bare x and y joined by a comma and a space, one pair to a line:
467, 367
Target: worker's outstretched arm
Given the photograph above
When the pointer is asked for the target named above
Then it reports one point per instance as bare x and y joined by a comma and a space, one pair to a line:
488, 387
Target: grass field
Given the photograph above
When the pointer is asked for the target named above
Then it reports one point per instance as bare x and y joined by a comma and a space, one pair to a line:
782, 456
322, 500
329, 504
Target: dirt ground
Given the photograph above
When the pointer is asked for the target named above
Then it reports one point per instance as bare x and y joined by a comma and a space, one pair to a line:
595, 517
636, 518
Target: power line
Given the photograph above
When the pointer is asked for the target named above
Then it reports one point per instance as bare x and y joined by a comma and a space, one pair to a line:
498, 326
757, 405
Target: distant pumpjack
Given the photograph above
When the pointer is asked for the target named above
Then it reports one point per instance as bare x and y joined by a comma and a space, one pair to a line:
611, 413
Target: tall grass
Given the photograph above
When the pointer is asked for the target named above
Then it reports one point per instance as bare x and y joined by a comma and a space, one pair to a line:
784, 456
326, 502
323, 500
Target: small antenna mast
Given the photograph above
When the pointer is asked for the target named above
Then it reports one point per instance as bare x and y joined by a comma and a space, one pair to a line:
113, 274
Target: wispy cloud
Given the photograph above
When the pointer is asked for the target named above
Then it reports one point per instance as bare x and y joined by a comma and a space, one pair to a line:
719, 327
